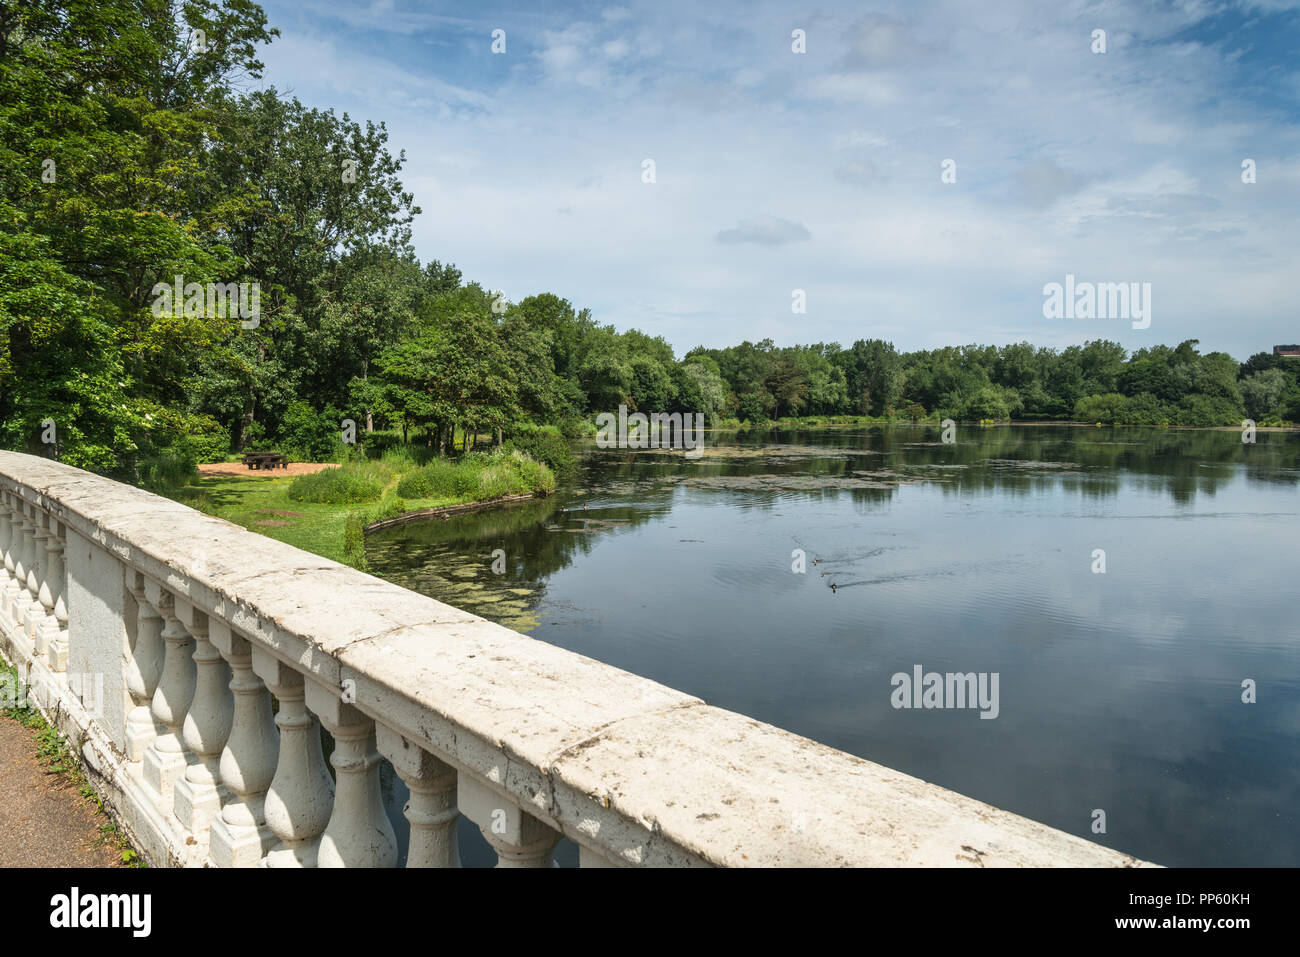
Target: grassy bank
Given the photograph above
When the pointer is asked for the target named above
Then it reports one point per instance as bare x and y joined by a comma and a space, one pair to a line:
326, 513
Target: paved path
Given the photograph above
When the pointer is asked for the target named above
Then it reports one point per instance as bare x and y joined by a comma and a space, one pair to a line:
44, 820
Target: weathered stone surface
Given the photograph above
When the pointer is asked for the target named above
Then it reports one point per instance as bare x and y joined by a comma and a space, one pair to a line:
636, 772
728, 780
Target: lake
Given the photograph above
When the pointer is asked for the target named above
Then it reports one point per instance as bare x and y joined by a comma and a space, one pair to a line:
1119, 691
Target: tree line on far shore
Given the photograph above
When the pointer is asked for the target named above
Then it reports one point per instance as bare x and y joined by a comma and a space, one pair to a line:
134, 160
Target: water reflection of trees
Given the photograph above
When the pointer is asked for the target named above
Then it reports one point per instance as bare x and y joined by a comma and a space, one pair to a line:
1091, 462
452, 560
623, 489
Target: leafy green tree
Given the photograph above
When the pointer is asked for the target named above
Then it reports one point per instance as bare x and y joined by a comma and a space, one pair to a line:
989, 402
874, 377
652, 387
327, 236
568, 330
1263, 392
605, 372
707, 389
752, 408
106, 116
827, 391
786, 384
1099, 408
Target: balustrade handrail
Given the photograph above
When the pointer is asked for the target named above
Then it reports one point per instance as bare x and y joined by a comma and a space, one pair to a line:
195, 622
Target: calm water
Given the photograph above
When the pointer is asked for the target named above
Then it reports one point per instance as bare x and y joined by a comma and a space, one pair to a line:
1119, 691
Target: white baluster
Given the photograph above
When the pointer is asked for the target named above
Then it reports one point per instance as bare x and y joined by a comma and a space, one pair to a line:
301, 795
240, 836
166, 759
519, 839
13, 557
12, 538
432, 808
36, 576
55, 625
207, 726
6, 559
359, 833
143, 669
17, 597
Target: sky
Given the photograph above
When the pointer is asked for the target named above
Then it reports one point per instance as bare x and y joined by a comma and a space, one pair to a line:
823, 171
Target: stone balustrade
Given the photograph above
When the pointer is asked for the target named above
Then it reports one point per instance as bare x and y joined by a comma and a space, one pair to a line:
194, 664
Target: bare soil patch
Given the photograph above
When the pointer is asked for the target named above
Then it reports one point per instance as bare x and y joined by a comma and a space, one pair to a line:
240, 470
44, 820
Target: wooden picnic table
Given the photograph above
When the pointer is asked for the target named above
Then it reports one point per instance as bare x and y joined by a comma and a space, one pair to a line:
265, 460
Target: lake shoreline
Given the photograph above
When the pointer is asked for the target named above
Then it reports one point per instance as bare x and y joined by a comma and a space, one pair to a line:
1109, 579
773, 426
423, 513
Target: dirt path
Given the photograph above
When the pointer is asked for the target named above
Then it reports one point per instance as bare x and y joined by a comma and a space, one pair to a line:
239, 470
44, 821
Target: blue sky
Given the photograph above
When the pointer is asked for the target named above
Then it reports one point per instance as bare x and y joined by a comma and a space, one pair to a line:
820, 171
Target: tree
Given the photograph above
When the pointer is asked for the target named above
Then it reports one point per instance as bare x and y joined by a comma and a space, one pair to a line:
873, 375
1263, 392
605, 372
752, 408
106, 117
708, 391
327, 237
786, 385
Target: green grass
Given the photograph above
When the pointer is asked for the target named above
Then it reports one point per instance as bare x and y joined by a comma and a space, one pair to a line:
438, 479
348, 484
477, 478
334, 528
251, 502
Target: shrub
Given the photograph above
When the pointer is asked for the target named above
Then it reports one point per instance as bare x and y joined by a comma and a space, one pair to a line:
987, 403
751, 409
311, 436
354, 540
169, 468
548, 446
476, 476
1099, 408
576, 427
393, 507
203, 437
175, 444
256, 439
438, 479
1144, 409
354, 482
533, 476
1206, 410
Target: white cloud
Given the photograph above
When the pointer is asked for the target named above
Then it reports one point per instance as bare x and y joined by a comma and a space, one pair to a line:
1043, 182
860, 174
875, 40
870, 88
615, 49
764, 231
1122, 165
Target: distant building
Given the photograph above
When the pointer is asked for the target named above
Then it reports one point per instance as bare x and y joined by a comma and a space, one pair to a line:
1291, 352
